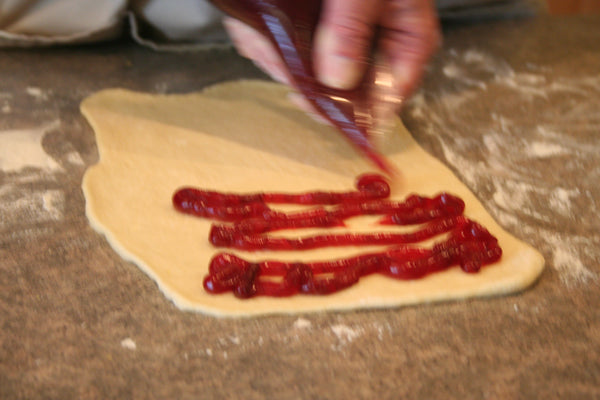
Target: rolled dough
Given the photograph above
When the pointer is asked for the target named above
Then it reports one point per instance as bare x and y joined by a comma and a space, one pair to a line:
245, 137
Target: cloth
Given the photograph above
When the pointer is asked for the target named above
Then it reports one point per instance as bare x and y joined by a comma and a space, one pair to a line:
163, 24
152, 22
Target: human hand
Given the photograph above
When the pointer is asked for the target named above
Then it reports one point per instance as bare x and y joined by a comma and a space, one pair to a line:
408, 35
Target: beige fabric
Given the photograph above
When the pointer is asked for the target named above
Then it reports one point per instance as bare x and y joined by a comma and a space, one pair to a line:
156, 23
179, 20
43, 22
31, 22
58, 17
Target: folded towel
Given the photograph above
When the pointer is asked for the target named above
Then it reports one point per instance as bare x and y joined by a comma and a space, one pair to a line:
182, 24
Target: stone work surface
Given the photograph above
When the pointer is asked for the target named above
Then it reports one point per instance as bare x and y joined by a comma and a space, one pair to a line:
511, 106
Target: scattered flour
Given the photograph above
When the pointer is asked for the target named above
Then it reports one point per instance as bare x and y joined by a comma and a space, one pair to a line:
34, 207
5, 97
544, 150
562, 132
567, 261
23, 159
36, 92
560, 200
302, 323
128, 344
454, 71
345, 334
75, 158
21, 148
53, 202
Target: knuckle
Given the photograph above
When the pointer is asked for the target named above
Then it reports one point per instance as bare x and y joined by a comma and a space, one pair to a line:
353, 33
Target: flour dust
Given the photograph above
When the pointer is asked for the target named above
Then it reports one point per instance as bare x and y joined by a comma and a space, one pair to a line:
534, 157
30, 194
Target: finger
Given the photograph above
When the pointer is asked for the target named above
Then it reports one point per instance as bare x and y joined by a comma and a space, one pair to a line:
410, 36
251, 44
343, 41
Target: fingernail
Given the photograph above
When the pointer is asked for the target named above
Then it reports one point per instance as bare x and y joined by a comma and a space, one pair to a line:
340, 72
335, 70
403, 79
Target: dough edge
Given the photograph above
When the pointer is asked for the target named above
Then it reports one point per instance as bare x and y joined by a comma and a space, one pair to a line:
527, 256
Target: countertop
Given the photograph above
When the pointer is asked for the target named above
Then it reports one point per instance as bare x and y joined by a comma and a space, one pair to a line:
512, 106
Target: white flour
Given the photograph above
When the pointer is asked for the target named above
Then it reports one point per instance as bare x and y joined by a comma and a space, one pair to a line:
75, 158
302, 323
22, 148
36, 92
560, 115
26, 166
128, 344
345, 334
53, 203
33, 207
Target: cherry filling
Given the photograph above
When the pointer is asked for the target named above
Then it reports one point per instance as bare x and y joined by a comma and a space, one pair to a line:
249, 218
414, 210
224, 236
238, 207
470, 245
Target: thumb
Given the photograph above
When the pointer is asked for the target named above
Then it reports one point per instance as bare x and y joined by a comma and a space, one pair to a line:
343, 41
